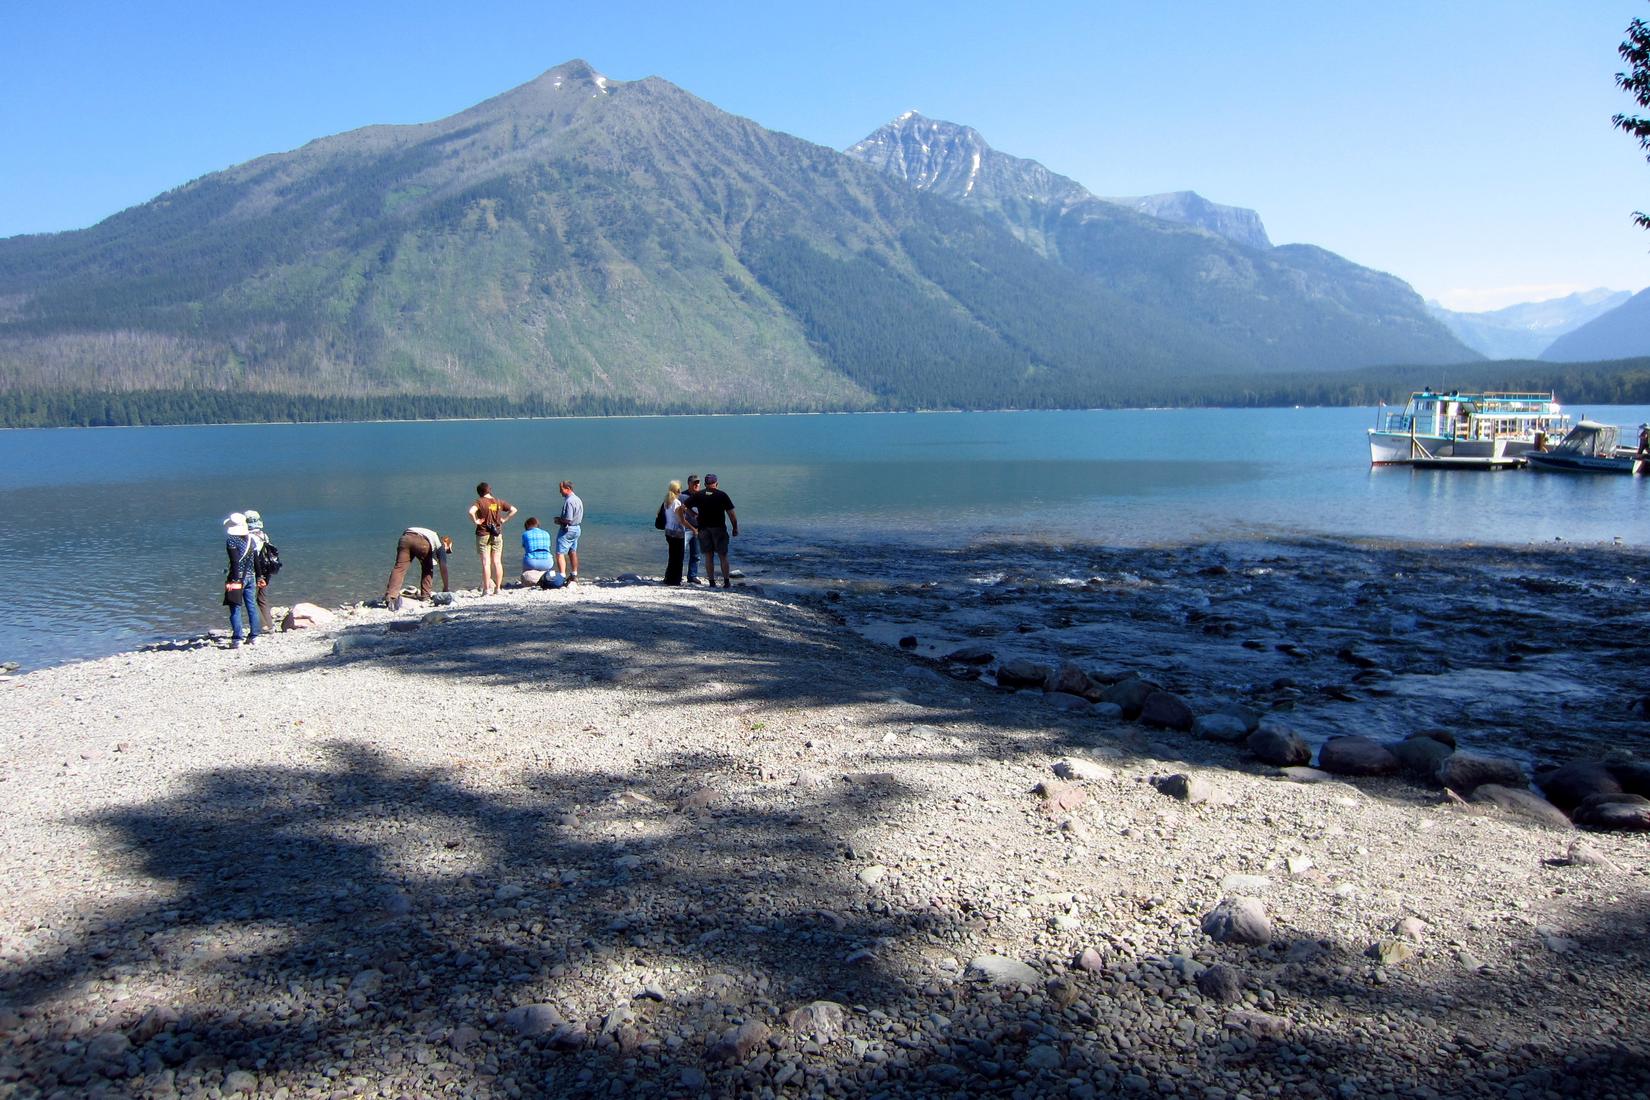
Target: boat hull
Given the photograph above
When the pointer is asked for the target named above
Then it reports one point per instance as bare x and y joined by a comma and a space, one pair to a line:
1582, 464
1404, 449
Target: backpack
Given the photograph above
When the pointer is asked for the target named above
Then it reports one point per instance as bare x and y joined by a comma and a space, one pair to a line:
269, 560
659, 520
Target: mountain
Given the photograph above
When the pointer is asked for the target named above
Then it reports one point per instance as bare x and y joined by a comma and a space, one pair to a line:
1293, 307
1524, 330
1189, 208
586, 244
1622, 333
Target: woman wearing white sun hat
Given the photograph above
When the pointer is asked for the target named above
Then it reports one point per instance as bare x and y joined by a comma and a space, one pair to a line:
240, 582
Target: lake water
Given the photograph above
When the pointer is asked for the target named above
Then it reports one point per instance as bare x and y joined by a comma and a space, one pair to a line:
111, 538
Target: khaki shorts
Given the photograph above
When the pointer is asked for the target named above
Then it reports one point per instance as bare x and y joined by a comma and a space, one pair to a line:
484, 541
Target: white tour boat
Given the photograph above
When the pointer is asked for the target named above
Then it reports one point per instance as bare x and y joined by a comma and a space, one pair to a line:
1486, 431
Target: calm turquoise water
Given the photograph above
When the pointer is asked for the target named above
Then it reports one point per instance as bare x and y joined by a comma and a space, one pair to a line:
110, 538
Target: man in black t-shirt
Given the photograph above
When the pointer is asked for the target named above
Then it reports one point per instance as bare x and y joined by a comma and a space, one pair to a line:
715, 509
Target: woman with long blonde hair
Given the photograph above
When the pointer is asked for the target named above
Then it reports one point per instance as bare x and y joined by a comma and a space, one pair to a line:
676, 528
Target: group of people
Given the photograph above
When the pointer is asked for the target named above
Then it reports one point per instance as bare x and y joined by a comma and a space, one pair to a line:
697, 521
549, 561
246, 582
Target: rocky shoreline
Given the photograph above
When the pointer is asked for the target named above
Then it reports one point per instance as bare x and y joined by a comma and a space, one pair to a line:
698, 842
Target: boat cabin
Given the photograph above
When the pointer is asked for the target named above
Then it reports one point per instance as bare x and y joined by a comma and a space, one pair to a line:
1590, 439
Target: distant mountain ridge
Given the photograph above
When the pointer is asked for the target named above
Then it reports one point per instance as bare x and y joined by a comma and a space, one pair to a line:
1295, 307
596, 244
1621, 333
1524, 331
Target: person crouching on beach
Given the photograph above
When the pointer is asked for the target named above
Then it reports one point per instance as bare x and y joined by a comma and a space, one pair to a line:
490, 514
430, 550
570, 521
677, 527
240, 582
536, 557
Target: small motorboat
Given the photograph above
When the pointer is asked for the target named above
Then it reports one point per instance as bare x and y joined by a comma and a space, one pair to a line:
1590, 448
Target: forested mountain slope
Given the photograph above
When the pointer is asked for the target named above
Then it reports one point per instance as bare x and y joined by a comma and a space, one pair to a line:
606, 246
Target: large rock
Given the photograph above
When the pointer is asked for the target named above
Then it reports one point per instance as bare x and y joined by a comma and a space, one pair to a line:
1190, 789
1238, 920
1063, 700
1467, 771
820, 1021
1521, 803
1228, 728
1022, 672
1420, 756
1633, 775
972, 655
531, 1021
1571, 785
739, 1043
1071, 680
1001, 970
1278, 745
1356, 755
1129, 695
1220, 983
302, 616
1628, 812
1250, 719
1166, 710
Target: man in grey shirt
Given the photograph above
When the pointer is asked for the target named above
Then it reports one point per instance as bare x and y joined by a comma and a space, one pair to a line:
567, 538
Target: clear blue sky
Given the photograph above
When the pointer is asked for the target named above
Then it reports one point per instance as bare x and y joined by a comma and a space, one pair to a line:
1465, 146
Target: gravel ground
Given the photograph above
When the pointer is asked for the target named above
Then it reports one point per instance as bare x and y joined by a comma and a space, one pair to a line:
693, 842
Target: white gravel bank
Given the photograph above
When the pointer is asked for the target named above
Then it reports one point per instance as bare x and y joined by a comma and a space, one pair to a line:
670, 819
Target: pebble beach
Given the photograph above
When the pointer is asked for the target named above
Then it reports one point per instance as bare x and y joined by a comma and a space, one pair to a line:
1007, 828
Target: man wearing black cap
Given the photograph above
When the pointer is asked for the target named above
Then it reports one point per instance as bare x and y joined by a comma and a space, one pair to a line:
715, 510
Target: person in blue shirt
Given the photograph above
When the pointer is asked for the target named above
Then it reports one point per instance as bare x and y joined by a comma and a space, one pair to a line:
536, 556
567, 539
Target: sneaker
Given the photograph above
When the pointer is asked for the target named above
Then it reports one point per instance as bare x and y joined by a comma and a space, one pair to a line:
572, 578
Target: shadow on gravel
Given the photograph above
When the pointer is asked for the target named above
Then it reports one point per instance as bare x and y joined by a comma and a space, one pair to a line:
360, 927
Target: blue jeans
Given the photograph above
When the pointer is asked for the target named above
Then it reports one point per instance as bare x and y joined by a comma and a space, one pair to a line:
248, 600
693, 558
